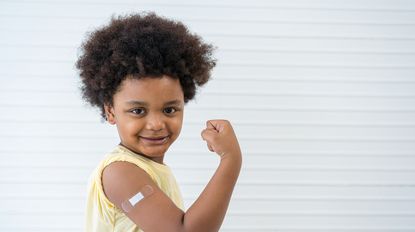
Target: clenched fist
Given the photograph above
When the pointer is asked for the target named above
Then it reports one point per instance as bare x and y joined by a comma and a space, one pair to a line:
221, 138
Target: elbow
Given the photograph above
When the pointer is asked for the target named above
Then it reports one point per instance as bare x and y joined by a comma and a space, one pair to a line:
197, 227
180, 226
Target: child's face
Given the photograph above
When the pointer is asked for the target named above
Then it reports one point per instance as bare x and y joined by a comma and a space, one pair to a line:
148, 113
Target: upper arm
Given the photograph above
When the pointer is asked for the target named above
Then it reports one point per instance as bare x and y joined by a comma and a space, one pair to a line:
156, 212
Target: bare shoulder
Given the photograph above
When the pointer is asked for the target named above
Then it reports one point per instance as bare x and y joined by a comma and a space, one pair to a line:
121, 180
155, 212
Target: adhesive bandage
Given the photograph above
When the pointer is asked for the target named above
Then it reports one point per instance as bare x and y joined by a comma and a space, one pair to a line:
129, 204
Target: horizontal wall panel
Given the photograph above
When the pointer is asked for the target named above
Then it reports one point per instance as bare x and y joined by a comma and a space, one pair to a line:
197, 115
268, 85
263, 130
190, 191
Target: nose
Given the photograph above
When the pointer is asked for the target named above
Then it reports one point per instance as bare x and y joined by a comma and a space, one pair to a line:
155, 122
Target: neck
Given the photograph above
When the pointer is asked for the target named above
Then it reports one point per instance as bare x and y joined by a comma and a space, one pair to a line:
155, 159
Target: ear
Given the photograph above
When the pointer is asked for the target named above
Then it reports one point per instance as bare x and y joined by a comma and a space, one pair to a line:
109, 114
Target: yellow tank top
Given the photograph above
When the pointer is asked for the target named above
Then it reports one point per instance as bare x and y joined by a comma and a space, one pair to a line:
102, 215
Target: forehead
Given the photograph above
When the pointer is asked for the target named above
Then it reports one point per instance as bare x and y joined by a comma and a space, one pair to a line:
150, 90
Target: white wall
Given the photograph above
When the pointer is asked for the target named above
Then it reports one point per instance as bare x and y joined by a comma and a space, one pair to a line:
320, 92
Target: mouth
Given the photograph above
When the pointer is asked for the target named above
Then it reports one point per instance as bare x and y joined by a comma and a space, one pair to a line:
154, 140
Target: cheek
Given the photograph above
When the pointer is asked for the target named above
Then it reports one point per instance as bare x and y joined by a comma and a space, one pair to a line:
131, 127
176, 125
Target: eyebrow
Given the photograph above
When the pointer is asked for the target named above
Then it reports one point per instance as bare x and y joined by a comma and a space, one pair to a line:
143, 103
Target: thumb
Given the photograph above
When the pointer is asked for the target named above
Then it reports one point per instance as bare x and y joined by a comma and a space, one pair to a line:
214, 124
209, 125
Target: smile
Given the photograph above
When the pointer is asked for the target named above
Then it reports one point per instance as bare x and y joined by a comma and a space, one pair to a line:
155, 140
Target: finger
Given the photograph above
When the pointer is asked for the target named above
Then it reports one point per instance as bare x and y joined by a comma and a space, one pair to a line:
210, 148
209, 135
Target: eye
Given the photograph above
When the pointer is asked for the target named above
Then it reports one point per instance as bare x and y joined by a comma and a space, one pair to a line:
138, 111
170, 110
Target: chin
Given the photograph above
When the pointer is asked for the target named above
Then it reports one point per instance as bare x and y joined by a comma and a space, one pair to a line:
154, 152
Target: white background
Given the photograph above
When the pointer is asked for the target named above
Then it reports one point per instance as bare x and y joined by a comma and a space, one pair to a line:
321, 94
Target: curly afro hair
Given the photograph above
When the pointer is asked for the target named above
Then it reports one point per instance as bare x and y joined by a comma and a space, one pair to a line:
137, 46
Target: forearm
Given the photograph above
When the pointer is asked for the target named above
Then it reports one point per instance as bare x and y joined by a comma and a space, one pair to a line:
208, 211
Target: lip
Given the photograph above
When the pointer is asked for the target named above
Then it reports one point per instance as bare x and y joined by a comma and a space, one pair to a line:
154, 140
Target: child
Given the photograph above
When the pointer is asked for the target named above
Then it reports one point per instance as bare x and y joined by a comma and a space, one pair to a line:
140, 70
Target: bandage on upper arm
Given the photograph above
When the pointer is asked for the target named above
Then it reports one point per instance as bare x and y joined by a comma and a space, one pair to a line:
129, 204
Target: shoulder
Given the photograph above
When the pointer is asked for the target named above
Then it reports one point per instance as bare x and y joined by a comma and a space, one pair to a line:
122, 157
122, 179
